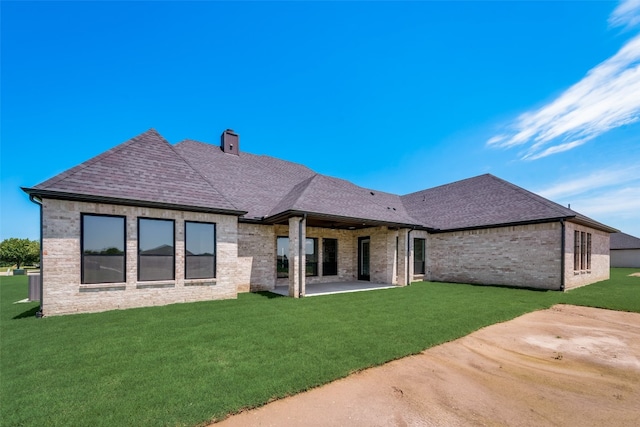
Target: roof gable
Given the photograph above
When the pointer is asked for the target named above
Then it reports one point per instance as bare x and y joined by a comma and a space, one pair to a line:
325, 195
143, 169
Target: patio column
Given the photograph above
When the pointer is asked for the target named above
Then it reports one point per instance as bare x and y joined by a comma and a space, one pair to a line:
297, 233
403, 256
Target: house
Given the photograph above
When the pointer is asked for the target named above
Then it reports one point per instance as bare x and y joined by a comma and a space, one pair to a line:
150, 223
625, 250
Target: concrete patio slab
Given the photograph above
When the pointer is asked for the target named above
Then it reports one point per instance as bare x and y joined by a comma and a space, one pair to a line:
317, 289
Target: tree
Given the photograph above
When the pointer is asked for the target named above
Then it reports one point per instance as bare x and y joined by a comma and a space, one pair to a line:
19, 251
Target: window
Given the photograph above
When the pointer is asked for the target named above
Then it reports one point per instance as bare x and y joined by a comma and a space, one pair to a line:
156, 254
583, 250
588, 251
311, 257
418, 256
329, 257
103, 249
282, 257
200, 250
576, 250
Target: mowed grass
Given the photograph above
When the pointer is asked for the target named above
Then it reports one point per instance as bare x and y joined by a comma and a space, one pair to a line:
187, 364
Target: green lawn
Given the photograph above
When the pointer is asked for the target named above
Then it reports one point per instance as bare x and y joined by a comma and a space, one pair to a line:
186, 364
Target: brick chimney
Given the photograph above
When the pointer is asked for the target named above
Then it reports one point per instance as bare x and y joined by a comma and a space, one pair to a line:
230, 142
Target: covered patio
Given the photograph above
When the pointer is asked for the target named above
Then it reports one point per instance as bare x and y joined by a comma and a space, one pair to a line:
335, 288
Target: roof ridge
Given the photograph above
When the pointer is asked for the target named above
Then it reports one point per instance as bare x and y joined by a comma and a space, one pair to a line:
373, 192
445, 185
193, 168
249, 154
304, 184
102, 156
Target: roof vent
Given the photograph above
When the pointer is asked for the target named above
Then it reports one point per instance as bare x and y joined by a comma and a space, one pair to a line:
230, 142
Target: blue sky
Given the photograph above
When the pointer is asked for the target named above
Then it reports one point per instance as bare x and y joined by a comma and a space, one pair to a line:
395, 96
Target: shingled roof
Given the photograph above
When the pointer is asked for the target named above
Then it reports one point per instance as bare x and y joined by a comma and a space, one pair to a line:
148, 171
145, 170
251, 182
336, 197
624, 241
267, 187
482, 201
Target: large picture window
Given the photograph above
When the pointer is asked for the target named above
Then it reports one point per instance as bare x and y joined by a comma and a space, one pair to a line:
311, 257
418, 256
282, 257
200, 250
156, 254
103, 249
329, 257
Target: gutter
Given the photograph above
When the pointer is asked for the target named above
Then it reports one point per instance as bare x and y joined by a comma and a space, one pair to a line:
127, 202
562, 252
38, 201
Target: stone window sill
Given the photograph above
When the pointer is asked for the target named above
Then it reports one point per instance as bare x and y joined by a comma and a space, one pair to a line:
156, 285
200, 282
103, 287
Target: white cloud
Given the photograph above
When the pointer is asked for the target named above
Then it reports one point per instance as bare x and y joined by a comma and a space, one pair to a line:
555, 149
606, 98
597, 180
627, 14
621, 203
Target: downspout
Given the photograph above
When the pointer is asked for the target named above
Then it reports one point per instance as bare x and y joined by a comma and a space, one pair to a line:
408, 258
38, 202
562, 251
301, 268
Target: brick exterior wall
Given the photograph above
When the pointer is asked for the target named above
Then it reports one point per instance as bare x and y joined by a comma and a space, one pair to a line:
64, 293
520, 256
260, 266
599, 257
256, 257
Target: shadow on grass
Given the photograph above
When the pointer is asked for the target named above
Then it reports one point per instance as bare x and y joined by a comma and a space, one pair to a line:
29, 313
269, 295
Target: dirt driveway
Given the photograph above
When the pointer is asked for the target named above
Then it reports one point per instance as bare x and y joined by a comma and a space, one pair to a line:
566, 366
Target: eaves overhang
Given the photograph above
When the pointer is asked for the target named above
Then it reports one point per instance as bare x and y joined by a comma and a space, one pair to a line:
91, 198
498, 225
588, 222
316, 219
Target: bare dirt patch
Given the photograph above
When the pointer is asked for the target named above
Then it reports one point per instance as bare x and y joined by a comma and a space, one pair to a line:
568, 365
